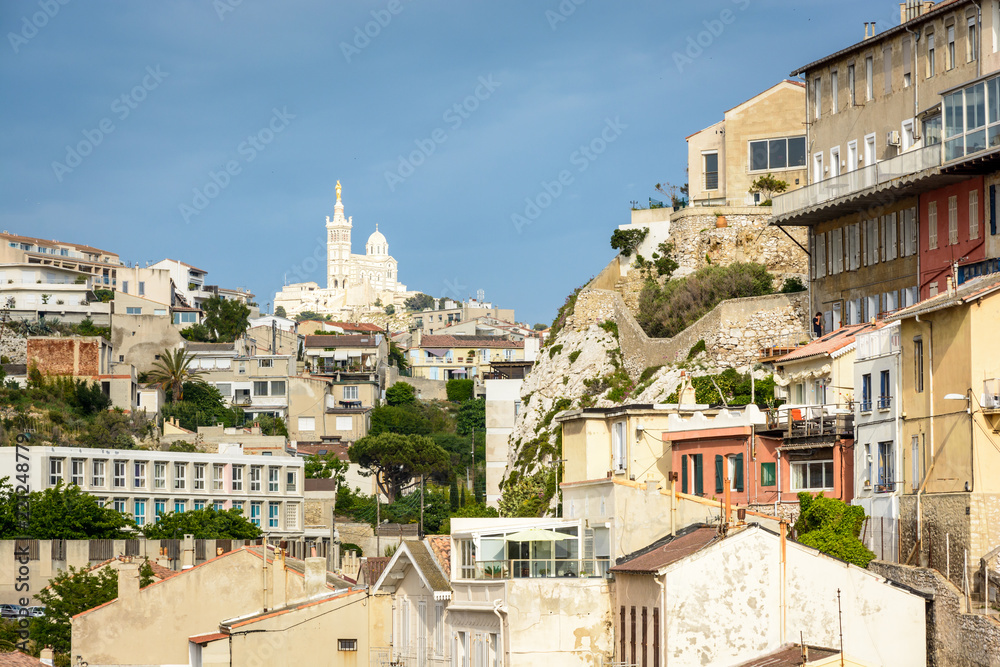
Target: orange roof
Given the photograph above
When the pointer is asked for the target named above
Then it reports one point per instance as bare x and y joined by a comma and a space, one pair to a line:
18, 659
829, 343
467, 341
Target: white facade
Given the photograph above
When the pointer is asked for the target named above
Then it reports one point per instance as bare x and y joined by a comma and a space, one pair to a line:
33, 290
144, 484
351, 280
877, 455
503, 403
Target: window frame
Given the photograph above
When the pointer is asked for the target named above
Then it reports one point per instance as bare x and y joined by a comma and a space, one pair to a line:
797, 464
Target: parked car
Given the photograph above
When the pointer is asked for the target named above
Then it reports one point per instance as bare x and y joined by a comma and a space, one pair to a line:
37, 612
10, 610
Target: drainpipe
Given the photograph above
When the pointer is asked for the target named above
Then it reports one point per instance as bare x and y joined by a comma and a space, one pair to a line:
930, 374
914, 75
979, 35
777, 499
501, 613
782, 529
663, 615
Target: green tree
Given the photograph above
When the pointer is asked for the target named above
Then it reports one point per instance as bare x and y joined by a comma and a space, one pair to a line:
69, 593
459, 390
173, 370
767, 186
198, 333
272, 425
626, 241
390, 310
833, 527
227, 319
311, 315
539, 326
402, 420
279, 311
109, 429
397, 357
182, 446
419, 302
471, 415
326, 466
396, 459
202, 405
400, 393
90, 399
205, 524
59, 513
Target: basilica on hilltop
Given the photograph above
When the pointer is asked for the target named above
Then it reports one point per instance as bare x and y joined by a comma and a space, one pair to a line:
353, 282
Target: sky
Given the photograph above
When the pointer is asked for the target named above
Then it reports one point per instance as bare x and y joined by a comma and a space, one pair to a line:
496, 144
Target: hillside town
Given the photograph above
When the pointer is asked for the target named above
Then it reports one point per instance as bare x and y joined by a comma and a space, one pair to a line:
766, 433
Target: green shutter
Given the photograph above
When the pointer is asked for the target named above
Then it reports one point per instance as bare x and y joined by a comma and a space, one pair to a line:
699, 477
719, 474
767, 475
739, 472
684, 473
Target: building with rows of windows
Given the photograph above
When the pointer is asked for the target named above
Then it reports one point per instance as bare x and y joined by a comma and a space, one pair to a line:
148, 484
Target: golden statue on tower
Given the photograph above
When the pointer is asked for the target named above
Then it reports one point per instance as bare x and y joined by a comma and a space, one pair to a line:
338, 192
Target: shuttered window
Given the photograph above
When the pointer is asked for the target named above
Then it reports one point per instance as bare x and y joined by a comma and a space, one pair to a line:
699, 487
684, 478
719, 474
632, 635
645, 637
623, 634
738, 474
656, 637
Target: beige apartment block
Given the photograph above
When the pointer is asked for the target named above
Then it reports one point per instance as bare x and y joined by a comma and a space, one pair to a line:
764, 135
102, 266
331, 409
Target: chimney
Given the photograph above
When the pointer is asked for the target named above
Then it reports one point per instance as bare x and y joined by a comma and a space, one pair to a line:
315, 576
415, 339
951, 286
279, 597
187, 552
47, 656
128, 580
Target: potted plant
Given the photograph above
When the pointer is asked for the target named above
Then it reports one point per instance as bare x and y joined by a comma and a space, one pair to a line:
493, 571
720, 220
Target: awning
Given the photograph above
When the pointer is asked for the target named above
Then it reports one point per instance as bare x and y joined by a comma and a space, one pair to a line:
340, 355
804, 445
538, 535
436, 351
354, 353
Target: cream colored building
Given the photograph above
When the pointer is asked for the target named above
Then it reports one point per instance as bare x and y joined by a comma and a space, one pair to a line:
102, 266
437, 319
764, 135
256, 383
463, 357
351, 280
31, 291
331, 409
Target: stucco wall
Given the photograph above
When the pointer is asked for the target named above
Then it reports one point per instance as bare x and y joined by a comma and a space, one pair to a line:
139, 338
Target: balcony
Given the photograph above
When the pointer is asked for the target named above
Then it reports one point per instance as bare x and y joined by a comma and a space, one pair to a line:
884, 402
991, 396
807, 423
853, 182
539, 568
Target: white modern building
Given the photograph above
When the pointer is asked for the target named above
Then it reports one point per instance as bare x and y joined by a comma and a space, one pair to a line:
147, 484
877, 453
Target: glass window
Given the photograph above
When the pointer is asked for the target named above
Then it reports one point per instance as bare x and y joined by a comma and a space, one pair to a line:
290, 480
76, 472
711, 171
277, 388
350, 393
180, 476
139, 476
272, 515
199, 476
160, 507
255, 478
237, 478
777, 153
133, 310
886, 481
180, 506
139, 512
55, 471
159, 475
119, 505
218, 505
119, 475
812, 475
217, 471
199, 504
272, 479
260, 388
255, 513
98, 473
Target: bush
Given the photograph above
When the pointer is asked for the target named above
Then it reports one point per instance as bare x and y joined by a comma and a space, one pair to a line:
459, 391
696, 349
793, 285
573, 356
554, 350
400, 393
833, 527
666, 311
626, 241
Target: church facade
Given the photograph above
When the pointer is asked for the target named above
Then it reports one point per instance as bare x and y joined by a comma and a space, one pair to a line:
353, 282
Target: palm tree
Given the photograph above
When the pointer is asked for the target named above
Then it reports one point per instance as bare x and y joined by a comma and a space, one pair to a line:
172, 371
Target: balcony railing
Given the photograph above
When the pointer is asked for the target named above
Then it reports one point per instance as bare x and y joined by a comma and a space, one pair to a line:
540, 568
866, 405
884, 402
910, 162
808, 421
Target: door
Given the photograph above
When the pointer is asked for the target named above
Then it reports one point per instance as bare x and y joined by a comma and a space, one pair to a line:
835, 161
817, 167
852, 156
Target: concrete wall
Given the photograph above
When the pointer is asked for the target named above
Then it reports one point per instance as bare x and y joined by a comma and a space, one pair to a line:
139, 338
427, 389
503, 402
953, 636
711, 594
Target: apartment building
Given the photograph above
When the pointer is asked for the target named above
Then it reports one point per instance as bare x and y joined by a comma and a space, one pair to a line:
256, 383
763, 135
897, 136
100, 265
435, 319
147, 484
34, 291
441, 357
190, 282
877, 454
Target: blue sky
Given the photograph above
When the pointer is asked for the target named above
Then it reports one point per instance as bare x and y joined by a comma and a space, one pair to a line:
214, 132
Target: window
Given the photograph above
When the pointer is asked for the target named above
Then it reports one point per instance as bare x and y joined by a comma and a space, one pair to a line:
932, 225
619, 446
771, 154
885, 395
974, 215
55, 471
199, 476
850, 84
142, 288
869, 78
219, 505
909, 231
76, 472
260, 387
199, 504
272, 515
930, 55
768, 475
918, 364
819, 255
139, 474
972, 52
272, 479
118, 480
255, 472
290, 481
307, 423
866, 392
886, 481
711, 161
853, 247
868, 466
265, 363
439, 629
119, 505
836, 251
180, 476
180, 506
97, 478
952, 220
817, 96
871, 242
834, 97
159, 508
133, 310
350, 393
906, 135
967, 129
887, 69
139, 511
277, 387
237, 478
238, 506
347, 644
890, 238
951, 46
217, 476
125, 286
255, 513
907, 71
808, 475
915, 461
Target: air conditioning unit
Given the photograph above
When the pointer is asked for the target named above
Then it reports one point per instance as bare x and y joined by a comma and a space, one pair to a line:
892, 138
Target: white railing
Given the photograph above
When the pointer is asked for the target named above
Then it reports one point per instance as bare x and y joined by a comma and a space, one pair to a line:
911, 162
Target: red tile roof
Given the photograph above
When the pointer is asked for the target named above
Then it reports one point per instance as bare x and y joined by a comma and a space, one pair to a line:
790, 655
667, 551
966, 292
468, 341
441, 548
18, 659
206, 638
828, 343
335, 340
360, 326
373, 567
